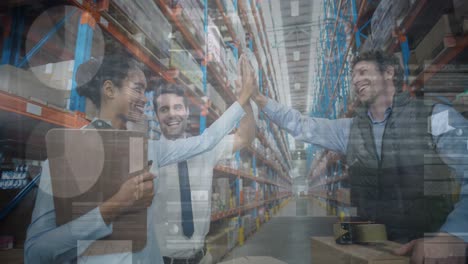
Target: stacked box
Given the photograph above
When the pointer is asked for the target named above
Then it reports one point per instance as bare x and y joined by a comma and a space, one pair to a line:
193, 18
384, 21
246, 4
249, 225
343, 195
259, 147
231, 163
229, 8
245, 221
56, 75
25, 84
246, 166
249, 195
233, 232
217, 245
233, 237
251, 21
183, 60
433, 43
262, 172
231, 68
460, 8
146, 14
216, 99
239, 30
261, 193
221, 187
233, 222
216, 205
253, 61
450, 81
269, 154
261, 213
216, 48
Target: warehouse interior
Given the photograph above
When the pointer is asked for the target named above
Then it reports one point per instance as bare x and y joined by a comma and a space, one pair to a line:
270, 199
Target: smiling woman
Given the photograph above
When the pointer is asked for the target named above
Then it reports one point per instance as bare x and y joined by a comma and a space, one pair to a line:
117, 88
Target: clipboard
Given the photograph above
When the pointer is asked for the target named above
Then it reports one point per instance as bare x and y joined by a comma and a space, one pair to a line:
87, 167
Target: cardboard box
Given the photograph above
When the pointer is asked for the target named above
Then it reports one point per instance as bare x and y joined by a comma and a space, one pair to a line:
343, 195
183, 60
233, 237
239, 30
24, 83
146, 14
465, 25
193, 18
249, 225
221, 186
216, 98
218, 245
384, 21
325, 250
433, 43
55, 75
460, 8
216, 49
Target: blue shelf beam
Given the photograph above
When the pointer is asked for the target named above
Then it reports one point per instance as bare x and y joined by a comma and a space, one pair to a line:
46, 38
14, 30
83, 48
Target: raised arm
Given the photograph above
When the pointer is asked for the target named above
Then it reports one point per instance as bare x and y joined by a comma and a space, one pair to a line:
165, 152
245, 134
326, 133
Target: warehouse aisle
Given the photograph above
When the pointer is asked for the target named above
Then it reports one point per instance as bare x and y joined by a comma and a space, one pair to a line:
286, 236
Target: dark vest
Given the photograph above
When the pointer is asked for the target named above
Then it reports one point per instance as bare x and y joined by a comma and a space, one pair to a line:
408, 189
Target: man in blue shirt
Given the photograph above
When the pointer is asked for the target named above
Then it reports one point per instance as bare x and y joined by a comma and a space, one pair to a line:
398, 172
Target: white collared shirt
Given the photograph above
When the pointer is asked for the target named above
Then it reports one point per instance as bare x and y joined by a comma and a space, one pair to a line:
172, 242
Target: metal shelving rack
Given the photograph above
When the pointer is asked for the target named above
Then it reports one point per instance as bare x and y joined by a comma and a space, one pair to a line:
280, 183
341, 32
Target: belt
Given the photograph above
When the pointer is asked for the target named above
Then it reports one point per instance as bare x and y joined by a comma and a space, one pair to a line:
195, 259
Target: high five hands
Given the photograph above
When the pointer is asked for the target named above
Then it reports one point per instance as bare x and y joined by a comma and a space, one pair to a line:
247, 84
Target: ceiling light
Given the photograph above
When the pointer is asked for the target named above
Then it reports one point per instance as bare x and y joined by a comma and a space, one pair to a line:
297, 55
294, 8
297, 86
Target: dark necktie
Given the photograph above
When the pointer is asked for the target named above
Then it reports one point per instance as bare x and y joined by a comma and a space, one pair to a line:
185, 200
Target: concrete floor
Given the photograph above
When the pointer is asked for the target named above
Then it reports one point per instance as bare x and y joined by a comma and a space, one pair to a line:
286, 236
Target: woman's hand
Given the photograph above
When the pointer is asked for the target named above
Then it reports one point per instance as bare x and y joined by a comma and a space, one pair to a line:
136, 193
